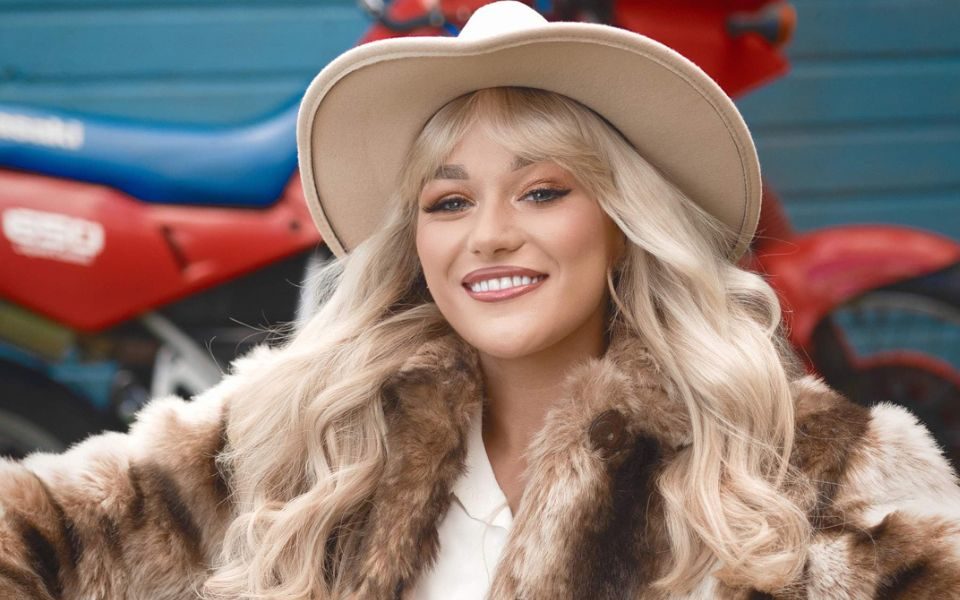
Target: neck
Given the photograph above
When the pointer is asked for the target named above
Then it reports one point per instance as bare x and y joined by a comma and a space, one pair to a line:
520, 391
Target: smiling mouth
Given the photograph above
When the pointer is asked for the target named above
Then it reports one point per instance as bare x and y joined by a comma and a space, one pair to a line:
495, 284
495, 289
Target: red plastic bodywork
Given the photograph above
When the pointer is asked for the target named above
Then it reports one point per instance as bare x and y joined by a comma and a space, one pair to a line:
152, 254
815, 272
695, 28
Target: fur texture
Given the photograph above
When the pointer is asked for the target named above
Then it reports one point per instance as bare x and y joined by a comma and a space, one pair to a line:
141, 515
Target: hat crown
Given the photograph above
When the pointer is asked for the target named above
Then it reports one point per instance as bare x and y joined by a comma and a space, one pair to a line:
661, 102
500, 17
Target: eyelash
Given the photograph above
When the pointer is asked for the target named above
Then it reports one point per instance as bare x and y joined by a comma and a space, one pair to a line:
555, 194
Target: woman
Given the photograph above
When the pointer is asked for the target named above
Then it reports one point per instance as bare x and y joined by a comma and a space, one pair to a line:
537, 373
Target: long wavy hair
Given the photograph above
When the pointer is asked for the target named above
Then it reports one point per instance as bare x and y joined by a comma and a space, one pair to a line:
306, 436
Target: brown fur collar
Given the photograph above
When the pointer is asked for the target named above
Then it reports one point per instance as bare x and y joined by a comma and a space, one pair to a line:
613, 410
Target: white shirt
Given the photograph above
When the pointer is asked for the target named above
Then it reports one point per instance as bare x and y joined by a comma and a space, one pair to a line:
472, 533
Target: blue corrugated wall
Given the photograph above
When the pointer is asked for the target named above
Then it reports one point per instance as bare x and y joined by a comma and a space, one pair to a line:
865, 128
204, 61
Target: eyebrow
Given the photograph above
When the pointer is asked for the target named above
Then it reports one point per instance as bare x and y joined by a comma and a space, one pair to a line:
459, 172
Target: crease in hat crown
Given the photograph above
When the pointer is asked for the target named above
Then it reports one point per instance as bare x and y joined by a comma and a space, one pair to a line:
501, 17
340, 113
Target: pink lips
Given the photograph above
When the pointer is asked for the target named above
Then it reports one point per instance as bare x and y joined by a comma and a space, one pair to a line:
496, 272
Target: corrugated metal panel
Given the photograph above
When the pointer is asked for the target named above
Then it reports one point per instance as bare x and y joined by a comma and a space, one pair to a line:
831, 29
889, 158
838, 95
177, 41
172, 60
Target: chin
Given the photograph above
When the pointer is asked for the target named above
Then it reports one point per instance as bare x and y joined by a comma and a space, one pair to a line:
504, 345
505, 352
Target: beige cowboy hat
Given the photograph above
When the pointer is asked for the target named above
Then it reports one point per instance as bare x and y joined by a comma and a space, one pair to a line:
364, 110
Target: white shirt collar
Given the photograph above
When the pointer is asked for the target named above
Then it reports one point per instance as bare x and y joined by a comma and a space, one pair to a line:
477, 489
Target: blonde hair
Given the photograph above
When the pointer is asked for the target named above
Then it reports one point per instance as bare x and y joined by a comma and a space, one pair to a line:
306, 437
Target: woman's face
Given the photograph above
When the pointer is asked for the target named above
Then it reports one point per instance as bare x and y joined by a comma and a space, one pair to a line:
515, 254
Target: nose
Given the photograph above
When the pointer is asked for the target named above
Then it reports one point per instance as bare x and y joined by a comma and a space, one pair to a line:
495, 230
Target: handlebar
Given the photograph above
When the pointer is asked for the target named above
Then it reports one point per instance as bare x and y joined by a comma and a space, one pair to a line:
775, 23
378, 10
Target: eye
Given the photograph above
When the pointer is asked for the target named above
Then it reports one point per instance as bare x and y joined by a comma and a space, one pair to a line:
546, 194
450, 204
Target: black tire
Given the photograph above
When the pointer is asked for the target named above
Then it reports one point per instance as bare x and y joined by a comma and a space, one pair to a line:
882, 325
37, 413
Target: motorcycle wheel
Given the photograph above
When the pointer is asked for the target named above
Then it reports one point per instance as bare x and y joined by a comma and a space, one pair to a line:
897, 346
38, 414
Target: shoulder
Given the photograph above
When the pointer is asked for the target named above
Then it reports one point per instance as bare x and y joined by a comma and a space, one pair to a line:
121, 514
173, 441
882, 452
886, 507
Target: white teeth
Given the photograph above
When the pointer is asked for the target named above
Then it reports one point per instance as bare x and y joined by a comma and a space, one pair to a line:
503, 283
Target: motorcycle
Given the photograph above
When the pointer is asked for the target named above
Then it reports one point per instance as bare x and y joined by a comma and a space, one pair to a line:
134, 260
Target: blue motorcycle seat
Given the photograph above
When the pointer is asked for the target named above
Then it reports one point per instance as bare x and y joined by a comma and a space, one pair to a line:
247, 165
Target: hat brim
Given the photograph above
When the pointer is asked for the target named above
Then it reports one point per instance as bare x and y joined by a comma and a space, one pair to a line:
361, 114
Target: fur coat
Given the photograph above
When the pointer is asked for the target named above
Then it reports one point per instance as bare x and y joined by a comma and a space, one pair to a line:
142, 515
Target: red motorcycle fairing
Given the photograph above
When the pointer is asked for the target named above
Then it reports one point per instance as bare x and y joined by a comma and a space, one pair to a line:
739, 64
818, 271
89, 256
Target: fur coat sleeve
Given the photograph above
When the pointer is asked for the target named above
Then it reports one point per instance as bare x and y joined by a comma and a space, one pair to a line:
142, 515
887, 516
118, 516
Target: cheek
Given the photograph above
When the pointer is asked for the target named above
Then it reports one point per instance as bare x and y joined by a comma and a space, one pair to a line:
579, 241
434, 250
